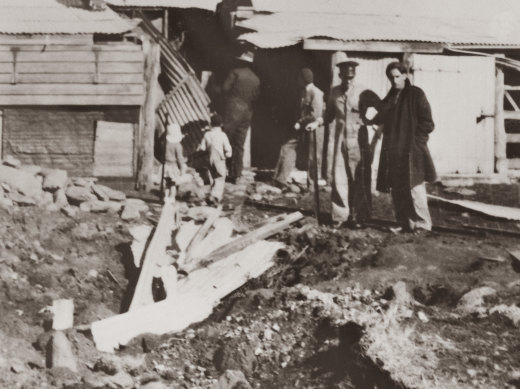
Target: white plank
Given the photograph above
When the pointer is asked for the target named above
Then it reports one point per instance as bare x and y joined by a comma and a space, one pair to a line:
72, 89
141, 234
62, 314
499, 211
185, 234
72, 56
72, 100
193, 301
73, 67
162, 238
221, 234
78, 78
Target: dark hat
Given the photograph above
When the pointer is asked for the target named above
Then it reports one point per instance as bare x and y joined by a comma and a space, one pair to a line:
215, 120
306, 75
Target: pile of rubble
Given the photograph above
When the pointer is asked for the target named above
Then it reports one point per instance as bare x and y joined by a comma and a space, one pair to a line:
53, 190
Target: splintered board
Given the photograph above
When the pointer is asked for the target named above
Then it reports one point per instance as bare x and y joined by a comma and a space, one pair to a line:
193, 301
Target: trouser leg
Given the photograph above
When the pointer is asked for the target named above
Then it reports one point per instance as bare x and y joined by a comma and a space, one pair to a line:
286, 161
311, 155
403, 206
340, 189
422, 218
237, 159
217, 188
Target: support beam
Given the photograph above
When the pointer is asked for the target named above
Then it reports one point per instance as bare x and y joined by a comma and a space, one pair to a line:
372, 46
147, 121
500, 130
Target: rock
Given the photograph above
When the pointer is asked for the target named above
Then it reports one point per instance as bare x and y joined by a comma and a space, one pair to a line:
106, 365
92, 273
21, 200
20, 181
256, 197
6, 203
60, 199
77, 195
120, 380
473, 301
31, 169
512, 312
64, 378
235, 355
11, 162
55, 179
154, 385
83, 182
138, 203
294, 188
130, 213
105, 193
86, 206
59, 353
94, 381
232, 379
70, 211
262, 188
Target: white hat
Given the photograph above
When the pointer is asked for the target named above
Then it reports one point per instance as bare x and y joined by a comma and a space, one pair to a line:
246, 56
173, 133
342, 59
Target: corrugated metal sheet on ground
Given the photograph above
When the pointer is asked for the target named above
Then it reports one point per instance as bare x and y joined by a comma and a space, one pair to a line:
461, 92
186, 101
114, 149
286, 28
52, 17
210, 5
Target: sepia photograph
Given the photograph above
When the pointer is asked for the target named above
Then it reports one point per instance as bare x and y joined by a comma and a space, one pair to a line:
260, 194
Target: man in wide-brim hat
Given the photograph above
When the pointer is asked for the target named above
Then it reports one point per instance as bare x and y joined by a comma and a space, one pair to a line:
240, 90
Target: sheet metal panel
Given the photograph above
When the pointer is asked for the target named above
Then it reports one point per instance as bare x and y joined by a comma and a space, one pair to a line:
210, 5
52, 17
284, 28
461, 92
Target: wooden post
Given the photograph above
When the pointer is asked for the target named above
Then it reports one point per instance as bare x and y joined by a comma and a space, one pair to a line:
147, 121
500, 131
165, 25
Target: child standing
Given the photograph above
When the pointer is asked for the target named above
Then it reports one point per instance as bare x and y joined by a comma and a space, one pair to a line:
216, 143
174, 160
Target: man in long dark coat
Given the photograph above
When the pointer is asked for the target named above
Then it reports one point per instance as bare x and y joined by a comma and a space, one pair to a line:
240, 89
405, 163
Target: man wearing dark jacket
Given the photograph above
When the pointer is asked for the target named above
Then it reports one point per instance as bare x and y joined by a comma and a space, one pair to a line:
241, 88
405, 163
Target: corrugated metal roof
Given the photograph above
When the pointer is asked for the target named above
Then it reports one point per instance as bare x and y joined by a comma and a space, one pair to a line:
286, 28
52, 17
210, 5
473, 9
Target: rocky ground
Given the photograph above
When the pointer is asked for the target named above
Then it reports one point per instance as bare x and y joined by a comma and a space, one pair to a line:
341, 309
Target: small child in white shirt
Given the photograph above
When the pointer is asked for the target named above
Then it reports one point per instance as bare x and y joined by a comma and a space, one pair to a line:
174, 160
216, 143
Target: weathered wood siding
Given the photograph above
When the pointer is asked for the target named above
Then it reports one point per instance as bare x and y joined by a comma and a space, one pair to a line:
59, 137
102, 74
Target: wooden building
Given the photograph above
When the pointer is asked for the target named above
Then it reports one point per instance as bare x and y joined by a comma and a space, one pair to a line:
71, 87
460, 58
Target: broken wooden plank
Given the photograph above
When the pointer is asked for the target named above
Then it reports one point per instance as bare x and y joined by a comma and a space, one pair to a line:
62, 314
202, 232
141, 234
185, 234
220, 235
193, 300
156, 252
497, 211
242, 242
